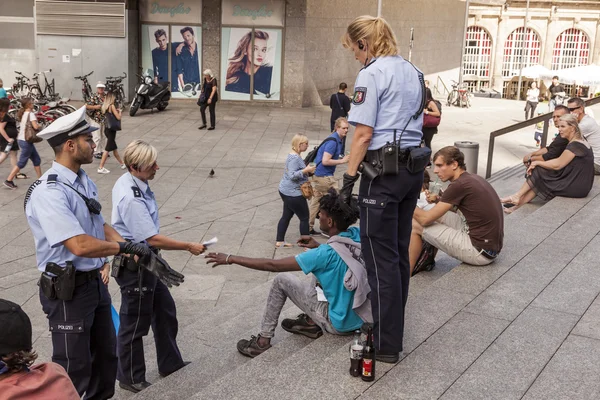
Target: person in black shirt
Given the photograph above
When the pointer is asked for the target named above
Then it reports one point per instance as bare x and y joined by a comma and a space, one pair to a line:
556, 147
208, 98
246, 60
339, 104
557, 93
8, 134
160, 57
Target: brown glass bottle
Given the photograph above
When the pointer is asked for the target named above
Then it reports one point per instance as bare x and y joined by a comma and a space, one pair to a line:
368, 363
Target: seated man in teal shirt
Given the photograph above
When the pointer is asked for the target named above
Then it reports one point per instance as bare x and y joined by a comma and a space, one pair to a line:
331, 264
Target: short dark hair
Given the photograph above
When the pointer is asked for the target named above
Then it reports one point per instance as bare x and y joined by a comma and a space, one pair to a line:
555, 77
577, 100
4, 104
19, 360
428, 95
343, 86
561, 107
342, 214
426, 179
451, 154
187, 29
159, 33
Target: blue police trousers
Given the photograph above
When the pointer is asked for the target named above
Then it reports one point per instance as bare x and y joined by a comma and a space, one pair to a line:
83, 339
387, 204
155, 308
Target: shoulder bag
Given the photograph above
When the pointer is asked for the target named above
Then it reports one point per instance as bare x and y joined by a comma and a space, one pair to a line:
30, 132
306, 188
112, 123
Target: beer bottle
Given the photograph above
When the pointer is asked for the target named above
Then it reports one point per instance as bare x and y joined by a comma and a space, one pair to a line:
368, 364
356, 351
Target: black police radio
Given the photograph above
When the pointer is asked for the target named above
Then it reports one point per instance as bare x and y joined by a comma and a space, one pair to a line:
93, 205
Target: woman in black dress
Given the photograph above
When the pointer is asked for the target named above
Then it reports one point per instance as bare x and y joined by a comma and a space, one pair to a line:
570, 175
208, 98
108, 107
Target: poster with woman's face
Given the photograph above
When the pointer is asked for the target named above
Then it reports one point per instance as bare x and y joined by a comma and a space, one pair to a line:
244, 57
185, 60
155, 51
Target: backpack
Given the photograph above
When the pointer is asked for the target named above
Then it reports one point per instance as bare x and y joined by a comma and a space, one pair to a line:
312, 155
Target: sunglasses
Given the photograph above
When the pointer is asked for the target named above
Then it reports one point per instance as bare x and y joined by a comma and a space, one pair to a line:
573, 109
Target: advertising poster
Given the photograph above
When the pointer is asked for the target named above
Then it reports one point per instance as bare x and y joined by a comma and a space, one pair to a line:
247, 53
186, 77
155, 51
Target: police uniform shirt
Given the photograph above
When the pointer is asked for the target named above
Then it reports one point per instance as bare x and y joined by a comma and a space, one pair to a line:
134, 213
387, 93
55, 213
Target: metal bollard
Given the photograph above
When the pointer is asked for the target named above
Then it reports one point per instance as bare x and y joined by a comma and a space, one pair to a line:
471, 152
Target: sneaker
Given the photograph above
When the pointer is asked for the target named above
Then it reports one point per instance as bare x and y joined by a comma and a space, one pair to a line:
10, 184
123, 166
250, 348
103, 171
313, 232
98, 155
301, 326
426, 261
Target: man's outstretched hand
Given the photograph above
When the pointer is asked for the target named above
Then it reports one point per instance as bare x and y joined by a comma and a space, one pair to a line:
158, 267
217, 259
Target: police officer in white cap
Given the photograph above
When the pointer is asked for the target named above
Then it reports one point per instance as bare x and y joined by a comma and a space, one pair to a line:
72, 242
387, 111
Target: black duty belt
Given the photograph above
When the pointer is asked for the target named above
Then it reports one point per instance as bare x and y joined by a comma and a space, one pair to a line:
82, 277
489, 254
375, 157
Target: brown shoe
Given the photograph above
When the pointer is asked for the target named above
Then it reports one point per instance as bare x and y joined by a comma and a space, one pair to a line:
250, 348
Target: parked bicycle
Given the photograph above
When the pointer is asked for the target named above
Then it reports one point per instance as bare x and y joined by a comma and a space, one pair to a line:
459, 96
86, 88
114, 84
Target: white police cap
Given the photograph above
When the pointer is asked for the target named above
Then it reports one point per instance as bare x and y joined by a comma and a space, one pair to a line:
67, 127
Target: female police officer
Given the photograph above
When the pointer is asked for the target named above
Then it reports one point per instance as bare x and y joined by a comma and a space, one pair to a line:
386, 108
145, 301
71, 245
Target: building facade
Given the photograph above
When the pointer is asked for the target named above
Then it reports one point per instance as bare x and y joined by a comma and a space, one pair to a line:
283, 52
560, 34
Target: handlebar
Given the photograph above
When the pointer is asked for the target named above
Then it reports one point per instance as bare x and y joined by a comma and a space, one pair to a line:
83, 77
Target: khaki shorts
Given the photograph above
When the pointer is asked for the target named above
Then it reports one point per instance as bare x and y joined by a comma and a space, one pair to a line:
450, 234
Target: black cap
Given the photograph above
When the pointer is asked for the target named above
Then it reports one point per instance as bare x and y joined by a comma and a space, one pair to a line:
15, 328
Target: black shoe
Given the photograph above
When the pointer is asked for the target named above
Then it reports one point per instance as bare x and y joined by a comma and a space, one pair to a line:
184, 364
202, 127
301, 326
212, 128
313, 232
426, 261
135, 387
250, 348
389, 358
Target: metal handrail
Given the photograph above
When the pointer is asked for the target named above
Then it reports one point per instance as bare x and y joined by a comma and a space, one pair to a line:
515, 127
436, 87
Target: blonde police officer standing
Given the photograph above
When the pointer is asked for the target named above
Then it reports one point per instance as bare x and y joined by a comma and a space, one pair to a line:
386, 109
72, 242
135, 217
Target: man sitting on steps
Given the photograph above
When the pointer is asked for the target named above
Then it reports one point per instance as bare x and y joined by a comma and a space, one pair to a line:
339, 268
556, 147
475, 235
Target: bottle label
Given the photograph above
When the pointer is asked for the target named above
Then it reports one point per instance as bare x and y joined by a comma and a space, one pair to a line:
356, 351
367, 369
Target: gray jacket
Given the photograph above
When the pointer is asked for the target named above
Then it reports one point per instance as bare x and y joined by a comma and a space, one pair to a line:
356, 276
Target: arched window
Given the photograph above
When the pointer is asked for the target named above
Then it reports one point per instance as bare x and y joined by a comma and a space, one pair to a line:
571, 49
478, 52
520, 47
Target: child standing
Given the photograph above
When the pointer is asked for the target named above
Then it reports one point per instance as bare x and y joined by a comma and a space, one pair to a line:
539, 129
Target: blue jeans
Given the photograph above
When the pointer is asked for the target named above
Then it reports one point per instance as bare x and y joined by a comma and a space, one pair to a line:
28, 152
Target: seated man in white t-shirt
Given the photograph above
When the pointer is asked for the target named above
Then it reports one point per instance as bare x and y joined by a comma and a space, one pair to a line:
589, 128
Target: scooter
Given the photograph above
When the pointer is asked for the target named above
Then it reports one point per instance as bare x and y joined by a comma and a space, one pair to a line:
150, 95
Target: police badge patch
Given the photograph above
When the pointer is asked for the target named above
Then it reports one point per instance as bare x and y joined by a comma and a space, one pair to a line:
360, 94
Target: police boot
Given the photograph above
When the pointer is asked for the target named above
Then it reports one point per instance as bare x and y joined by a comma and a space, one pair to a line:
135, 387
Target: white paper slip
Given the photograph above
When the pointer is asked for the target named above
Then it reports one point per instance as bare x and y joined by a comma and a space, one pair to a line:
210, 242
320, 294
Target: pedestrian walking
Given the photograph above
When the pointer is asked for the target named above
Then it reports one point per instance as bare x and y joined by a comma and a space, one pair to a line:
339, 104
8, 135
28, 150
533, 97
109, 110
135, 218
387, 110
94, 107
208, 98
72, 242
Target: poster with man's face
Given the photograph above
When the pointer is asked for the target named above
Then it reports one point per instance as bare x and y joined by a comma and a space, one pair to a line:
155, 53
186, 78
246, 56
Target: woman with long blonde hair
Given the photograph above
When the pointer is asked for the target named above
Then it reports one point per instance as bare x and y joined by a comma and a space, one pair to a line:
108, 107
387, 107
246, 60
